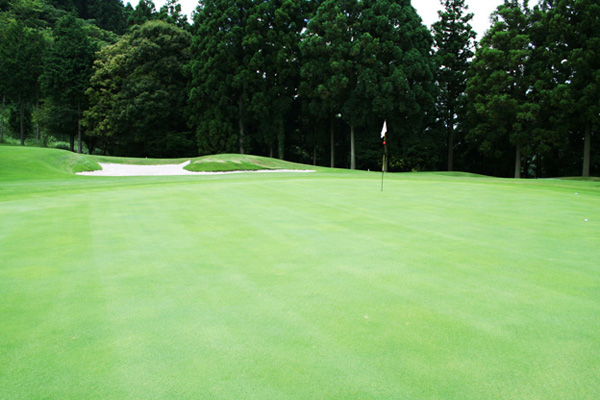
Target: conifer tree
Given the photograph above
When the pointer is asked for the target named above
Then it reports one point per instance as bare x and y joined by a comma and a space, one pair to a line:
221, 82
330, 49
171, 12
144, 11
21, 66
67, 70
274, 26
405, 91
454, 40
574, 41
499, 88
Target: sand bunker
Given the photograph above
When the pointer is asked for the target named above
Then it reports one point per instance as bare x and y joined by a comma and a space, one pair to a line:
109, 169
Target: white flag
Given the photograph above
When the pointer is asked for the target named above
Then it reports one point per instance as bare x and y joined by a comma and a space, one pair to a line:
384, 129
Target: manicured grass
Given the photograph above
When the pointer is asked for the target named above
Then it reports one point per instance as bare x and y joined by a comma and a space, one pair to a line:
303, 286
24, 163
237, 162
215, 163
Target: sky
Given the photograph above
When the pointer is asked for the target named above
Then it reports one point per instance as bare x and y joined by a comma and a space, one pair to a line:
427, 9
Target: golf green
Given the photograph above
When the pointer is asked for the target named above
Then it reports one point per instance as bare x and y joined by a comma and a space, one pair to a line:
295, 285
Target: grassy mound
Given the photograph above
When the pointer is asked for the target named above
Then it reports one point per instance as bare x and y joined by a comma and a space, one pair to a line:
240, 162
24, 163
138, 161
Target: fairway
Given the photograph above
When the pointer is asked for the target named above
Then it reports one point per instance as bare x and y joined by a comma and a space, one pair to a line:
295, 285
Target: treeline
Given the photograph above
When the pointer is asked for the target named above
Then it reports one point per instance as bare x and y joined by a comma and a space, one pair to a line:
309, 81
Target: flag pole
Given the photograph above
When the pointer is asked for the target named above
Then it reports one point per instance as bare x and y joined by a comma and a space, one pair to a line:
384, 137
382, 171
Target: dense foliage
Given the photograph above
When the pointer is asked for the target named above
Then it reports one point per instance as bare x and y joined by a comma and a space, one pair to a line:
138, 92
309, 81
455, 43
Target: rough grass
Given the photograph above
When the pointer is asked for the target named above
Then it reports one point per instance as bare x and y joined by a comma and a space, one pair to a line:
270, 286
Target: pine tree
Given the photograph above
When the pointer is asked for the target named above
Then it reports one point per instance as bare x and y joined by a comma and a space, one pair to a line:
67, 70
406, 89
21, 67
574, 39
455, 45
144, 11
274, 27
369, 60
329, 71
171, 12
499, 88
221, 82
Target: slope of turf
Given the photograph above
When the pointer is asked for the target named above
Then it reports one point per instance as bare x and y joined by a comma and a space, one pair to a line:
215, 163
237, 162
24, 163
270, 286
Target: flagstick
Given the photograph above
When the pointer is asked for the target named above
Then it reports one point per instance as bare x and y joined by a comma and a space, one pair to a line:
382, 171
384, 137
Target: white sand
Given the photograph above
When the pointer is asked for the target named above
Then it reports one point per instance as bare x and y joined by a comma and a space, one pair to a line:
109, 169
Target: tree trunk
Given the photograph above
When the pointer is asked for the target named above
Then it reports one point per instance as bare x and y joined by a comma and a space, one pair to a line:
518, 162
280, 138
22, 132
332, 140
451, 142
2, 123
37, 123
72, 142
79, 146
37, 113
315, 154
352, 149
587, 145
241, 123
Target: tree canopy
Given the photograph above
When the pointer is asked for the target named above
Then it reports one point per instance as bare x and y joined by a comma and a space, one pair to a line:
138, 93
454, 49
309, 81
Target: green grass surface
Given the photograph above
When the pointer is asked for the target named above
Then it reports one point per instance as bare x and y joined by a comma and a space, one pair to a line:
300, 286
215, 163
237, 162
137, 161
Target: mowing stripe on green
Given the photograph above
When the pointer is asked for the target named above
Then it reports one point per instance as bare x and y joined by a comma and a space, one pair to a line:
298, 286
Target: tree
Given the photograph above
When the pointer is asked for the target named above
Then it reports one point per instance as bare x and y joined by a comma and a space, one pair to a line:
574, 39
20, 52
4, 71
144, 11
34, 14
319, 85
274, 26
339, 55
107, 14
221, 81
405, 92
171, 12
369, 61
500, 85
138, 93
67, 70
454, 41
